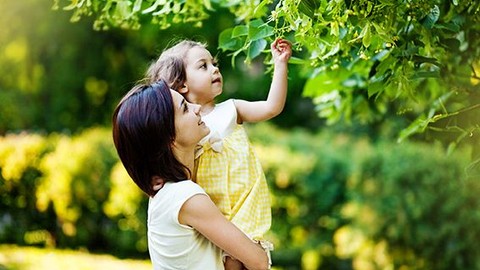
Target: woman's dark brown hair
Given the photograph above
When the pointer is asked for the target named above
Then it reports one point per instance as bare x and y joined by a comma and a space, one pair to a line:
143, 134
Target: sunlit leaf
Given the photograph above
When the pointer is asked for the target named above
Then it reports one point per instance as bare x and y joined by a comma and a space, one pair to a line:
415, 127
227, 43
257, 30
367, 36
240, 30
256, 47
297, 61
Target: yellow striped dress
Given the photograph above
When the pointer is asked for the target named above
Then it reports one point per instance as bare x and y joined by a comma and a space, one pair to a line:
231, 174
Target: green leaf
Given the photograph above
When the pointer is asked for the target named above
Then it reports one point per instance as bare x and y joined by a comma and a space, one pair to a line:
256, 31
335, 49
256, 23
431, 18
227, 43
137, 6
367, 36
240, 30
122, 11
255, 48
297, 61
375, 87
422, 59
452, 44
381, 55
307, 8
260, 8
207, 4
385, 65
451, 147
152, 8
416, 126
321, 84
426, 74
449, 26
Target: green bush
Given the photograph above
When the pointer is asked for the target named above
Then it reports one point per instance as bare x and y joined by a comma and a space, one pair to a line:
349, 203
410, 206
58, 191
338, 202
307, 176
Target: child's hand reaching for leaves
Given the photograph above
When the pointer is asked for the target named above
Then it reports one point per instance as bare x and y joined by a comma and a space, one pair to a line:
281, 50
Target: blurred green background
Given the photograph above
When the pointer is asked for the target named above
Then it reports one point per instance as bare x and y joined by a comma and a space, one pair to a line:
345, 196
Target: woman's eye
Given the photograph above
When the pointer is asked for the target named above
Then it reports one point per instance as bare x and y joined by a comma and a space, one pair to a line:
185, 108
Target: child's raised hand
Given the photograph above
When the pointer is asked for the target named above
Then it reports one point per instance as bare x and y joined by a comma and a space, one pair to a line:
281, 50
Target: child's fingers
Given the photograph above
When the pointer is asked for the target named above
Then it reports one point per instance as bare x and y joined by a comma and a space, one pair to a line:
284, 47
283, 44
282, 41
275, 44
281, 48
279, 44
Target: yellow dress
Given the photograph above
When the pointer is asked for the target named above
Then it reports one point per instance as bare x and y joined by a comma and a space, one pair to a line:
231, 174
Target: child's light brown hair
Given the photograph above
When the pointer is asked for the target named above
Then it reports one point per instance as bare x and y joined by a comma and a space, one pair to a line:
170, 66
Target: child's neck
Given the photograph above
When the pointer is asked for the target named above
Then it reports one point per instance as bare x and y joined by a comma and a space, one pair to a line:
207, 108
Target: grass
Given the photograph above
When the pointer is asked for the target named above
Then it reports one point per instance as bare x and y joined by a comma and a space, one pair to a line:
29, 258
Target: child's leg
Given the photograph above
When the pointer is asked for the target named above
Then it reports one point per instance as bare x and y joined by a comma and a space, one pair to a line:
232, 264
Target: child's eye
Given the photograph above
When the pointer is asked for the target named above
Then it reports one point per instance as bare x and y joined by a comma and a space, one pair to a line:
204, 65
215, 64
185, 107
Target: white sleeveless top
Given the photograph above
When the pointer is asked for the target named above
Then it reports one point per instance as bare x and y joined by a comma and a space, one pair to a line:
173, 245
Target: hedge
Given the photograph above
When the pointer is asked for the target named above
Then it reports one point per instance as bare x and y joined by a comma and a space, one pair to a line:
338, 202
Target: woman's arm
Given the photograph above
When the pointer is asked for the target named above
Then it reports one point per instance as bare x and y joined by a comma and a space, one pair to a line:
201, 213
257, 111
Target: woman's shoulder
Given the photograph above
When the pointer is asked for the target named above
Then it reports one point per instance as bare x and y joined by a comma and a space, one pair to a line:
174, 195
181, 190
187, 186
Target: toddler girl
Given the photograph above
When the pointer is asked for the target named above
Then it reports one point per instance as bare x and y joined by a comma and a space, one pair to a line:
226, 164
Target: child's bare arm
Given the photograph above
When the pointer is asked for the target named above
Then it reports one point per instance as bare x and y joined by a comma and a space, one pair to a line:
257, 111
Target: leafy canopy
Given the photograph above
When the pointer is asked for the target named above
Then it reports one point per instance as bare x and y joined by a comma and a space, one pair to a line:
365, 60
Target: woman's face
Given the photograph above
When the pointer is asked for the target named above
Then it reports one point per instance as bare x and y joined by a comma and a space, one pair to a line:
189, 127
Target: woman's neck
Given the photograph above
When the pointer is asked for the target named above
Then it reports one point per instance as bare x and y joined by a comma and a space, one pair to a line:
186, 157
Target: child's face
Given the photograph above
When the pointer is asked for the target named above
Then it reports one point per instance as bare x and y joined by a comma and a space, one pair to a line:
204, 80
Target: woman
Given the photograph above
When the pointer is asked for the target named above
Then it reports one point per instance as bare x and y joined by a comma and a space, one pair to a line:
155, 132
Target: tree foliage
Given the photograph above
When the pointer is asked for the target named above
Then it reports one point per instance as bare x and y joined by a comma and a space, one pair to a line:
62, 77
364, 60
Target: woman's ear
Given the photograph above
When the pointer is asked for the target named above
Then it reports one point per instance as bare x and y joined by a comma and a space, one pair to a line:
157, 182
